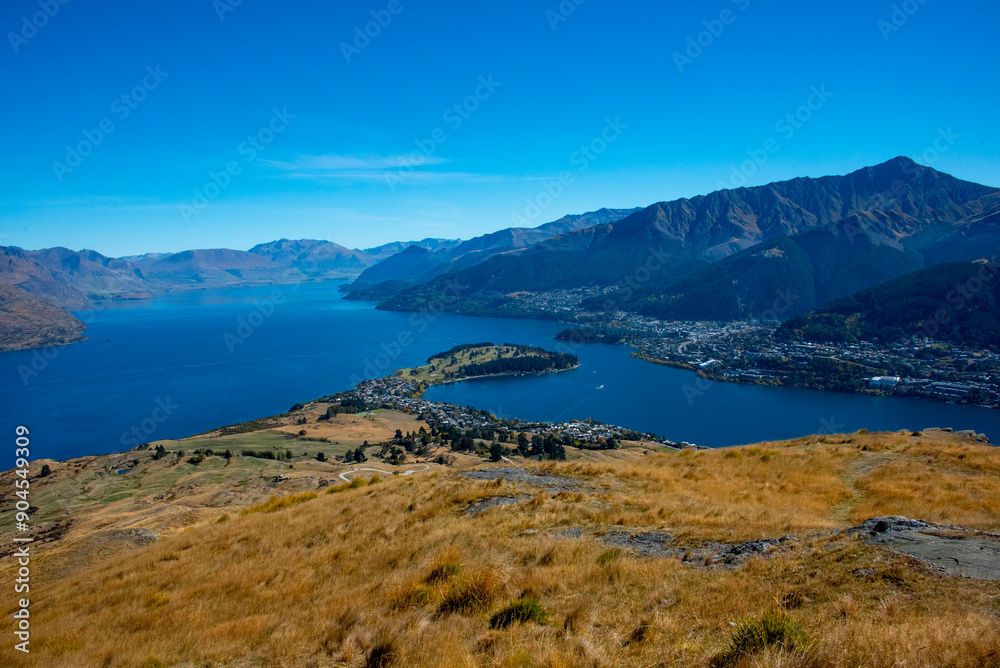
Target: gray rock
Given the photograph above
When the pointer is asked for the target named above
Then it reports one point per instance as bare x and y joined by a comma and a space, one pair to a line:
573, 532
653, 544
709, 553
956, 551
476, 508
879, 525
514, 474
140, 536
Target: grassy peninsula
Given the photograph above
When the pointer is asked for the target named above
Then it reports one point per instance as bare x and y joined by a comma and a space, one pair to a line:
478, 360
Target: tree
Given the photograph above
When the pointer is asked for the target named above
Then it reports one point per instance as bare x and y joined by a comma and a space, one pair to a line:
288, 455
320, 457
399, 435
496, 452
45, 472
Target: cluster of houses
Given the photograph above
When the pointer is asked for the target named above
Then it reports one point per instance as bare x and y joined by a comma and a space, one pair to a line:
398, 393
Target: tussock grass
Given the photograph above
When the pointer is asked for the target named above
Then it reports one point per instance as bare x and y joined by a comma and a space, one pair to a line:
523, 610
345, 579
475, 592
357, 483
276, 503
774, 629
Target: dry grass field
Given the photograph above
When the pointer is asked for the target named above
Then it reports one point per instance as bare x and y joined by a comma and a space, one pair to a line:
398, 574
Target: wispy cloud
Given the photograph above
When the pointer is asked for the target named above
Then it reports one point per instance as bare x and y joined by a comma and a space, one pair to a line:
335, 162
387, 168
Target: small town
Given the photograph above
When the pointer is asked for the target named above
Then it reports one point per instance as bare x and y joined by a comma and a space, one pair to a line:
748, 352
398, 393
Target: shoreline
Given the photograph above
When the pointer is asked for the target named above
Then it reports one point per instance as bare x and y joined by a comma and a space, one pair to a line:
492, 375
776, 382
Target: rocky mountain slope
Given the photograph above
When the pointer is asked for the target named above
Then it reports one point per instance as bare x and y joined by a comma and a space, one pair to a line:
414, 267
847, 232
27, 323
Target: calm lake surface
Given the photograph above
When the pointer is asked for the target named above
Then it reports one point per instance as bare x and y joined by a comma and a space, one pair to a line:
184, 364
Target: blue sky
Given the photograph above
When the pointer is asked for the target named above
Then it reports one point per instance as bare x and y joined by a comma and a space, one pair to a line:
364, 145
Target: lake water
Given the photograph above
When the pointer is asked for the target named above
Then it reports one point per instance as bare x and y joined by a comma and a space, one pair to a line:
193, 361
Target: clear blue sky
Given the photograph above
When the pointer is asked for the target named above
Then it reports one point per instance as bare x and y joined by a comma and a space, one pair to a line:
327, 173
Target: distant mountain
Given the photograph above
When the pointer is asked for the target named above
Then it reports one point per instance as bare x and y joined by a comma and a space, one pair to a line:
847, 233
401, 270
957, 302
415, 268
69, 279
390, 249
26, 322
314, 258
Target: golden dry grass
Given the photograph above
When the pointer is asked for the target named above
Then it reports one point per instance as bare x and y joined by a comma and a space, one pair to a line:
397, 574
353, 429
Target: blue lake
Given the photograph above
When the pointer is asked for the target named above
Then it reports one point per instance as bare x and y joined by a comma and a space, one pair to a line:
189, 362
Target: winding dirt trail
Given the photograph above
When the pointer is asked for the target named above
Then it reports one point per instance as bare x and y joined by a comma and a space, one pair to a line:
343, 476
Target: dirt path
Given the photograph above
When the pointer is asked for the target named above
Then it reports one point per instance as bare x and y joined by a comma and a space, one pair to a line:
858, 467
343, 476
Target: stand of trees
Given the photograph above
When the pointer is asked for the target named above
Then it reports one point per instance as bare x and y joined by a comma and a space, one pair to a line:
521, 364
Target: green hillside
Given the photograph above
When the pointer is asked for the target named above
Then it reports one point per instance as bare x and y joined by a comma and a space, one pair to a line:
954, 302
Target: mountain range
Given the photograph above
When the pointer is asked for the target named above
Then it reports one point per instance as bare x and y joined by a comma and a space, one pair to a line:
731, 254
417, 265
37, 285
785, 248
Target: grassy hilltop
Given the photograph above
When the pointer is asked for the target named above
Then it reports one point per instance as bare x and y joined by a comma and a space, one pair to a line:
417, 571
